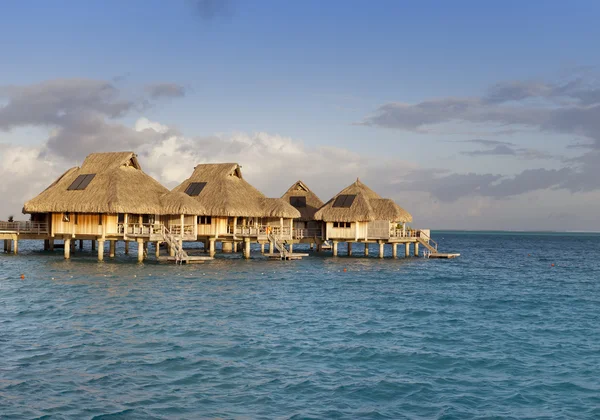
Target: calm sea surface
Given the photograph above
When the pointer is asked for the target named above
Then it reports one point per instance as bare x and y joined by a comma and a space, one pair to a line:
499, 332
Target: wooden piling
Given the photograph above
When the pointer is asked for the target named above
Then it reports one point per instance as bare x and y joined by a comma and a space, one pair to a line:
67, 248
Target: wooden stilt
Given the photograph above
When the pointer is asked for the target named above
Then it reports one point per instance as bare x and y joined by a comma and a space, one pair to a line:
211, 247
407, 249
335, 248
349, 249
416, 249
247, 248
395, 250
100, 249
381, 249
15, 246
93, 244
81, 244
157, 249
51, 243
126, 247
140, 250
46, 244
262, 248
67, 249
366, 249
111, 249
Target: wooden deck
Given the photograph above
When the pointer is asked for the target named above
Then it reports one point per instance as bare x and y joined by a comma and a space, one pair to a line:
187, 260
288, 256
442, 255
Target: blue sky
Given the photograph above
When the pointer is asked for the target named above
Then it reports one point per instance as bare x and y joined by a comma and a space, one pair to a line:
317, 72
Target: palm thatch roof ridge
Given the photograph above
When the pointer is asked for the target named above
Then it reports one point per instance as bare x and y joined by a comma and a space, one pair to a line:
227, 194
366, 207
118, 186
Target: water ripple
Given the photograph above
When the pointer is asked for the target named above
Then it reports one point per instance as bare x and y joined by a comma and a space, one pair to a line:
497, 333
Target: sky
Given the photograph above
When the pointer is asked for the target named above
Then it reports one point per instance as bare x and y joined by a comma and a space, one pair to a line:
469, 114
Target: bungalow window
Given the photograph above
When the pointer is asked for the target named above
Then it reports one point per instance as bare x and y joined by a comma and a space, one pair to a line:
344, 201
204, 220
145, 219
66, 218
341, 224
81, 182
121, 218
298, 201
195, 188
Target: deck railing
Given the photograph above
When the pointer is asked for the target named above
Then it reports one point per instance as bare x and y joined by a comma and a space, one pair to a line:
401, 233
307, 233
24, 227
139, 229
261, 231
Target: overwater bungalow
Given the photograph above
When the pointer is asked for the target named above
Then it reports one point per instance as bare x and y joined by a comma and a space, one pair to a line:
110, 198
306, 228
234, 211
359, 214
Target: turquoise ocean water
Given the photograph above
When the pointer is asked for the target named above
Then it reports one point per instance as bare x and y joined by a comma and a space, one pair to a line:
497, 333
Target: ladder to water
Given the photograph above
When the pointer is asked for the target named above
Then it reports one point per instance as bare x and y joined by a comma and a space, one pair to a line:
174, 241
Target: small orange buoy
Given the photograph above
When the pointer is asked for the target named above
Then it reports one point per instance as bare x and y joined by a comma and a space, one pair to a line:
345, 270
552, 265
22, 276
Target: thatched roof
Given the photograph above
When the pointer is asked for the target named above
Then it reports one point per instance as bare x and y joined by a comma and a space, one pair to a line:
313, 203
226, 193
118, 186
367, 206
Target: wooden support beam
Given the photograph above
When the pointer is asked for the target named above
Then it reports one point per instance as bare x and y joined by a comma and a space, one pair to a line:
335, 248
15, 246
366, 249
140, 250
112, 247
67, 248
93, 244
407, 249
100, 249
227, 247
395, 250
381, 249
51, 243
416, 249
157, 250
211, 247
247, 248
349, 249
126, 247
81, 244
262, 248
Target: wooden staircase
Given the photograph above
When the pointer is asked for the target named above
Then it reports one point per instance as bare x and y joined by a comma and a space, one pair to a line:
175, 242
279, 245
427, 242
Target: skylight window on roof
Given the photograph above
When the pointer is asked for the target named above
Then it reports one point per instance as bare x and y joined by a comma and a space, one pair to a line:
298, 201
344, 201
81, 182
195, 188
